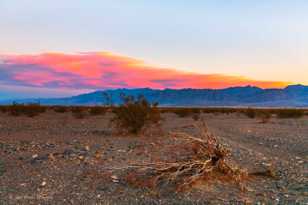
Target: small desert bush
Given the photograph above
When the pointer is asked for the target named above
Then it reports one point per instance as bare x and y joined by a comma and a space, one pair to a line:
60, 109
251, 113
135, 113
78, 112
97, 110
3, 109
265, 116
220, 110
29, 110
196, 117
290, 113
186, 112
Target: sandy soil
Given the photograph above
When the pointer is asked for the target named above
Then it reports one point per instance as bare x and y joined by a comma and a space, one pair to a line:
57, 159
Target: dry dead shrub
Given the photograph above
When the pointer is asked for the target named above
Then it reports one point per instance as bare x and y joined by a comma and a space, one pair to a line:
208, 161
134, 114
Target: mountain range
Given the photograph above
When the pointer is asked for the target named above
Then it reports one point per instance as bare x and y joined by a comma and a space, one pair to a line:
291, 96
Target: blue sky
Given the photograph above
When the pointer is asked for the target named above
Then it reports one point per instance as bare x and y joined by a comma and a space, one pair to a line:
264, 39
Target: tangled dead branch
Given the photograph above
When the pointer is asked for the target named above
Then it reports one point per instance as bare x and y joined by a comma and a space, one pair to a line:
209, 161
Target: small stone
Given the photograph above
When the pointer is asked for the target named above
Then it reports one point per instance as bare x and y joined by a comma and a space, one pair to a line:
115, 179
52, 157
35, 156
43, 183
266, 164
97, 155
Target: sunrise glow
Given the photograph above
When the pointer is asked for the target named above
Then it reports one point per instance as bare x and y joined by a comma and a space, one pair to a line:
105, 70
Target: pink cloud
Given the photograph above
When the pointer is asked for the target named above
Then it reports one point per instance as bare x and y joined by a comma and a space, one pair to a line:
106, 70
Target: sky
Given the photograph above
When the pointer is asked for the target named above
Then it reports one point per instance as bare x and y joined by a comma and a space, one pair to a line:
60, 48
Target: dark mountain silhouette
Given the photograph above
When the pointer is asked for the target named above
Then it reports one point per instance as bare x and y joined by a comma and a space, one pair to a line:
291, 96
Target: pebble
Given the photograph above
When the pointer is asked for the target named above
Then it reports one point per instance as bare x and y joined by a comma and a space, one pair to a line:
115, 179
43, 183
35, 156
266, 164
52, 157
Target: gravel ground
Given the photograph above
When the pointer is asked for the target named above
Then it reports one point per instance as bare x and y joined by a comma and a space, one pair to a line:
57, 159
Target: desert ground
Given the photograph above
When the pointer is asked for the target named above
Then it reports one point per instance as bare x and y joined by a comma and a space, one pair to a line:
56, 158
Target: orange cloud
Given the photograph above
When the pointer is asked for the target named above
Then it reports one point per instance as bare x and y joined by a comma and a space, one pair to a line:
106, 70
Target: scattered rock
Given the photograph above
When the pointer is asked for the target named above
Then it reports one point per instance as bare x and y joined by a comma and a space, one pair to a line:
36, 159
43, 183
34, 156
115, 179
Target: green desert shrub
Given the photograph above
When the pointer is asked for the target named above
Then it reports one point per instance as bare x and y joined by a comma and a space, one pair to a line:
135, 113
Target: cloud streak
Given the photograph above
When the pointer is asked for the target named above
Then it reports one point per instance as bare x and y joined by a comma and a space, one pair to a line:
107, 71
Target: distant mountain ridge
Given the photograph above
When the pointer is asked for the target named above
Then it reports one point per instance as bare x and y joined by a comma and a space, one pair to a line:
291, 96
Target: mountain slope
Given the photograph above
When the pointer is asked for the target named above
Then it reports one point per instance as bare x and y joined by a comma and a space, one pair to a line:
291, 96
